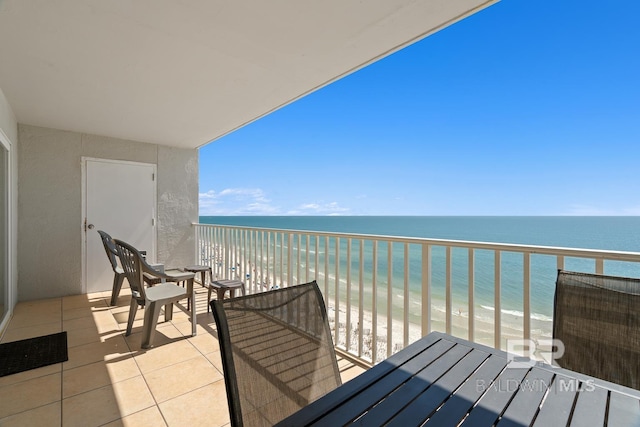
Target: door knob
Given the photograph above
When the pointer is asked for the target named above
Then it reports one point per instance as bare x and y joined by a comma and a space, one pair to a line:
90, 226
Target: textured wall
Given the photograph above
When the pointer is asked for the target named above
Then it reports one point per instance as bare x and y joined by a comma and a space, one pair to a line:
50, 205
177, 205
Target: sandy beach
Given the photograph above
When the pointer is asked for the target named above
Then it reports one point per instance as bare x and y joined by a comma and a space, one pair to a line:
483, 330
511, 321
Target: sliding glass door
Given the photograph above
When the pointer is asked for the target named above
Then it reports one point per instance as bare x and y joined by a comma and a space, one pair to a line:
4, 229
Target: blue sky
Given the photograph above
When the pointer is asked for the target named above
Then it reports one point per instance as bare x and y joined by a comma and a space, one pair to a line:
525, 108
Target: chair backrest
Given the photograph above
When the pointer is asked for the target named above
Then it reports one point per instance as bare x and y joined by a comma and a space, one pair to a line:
277, 353
109, 248
132, 264
597, 318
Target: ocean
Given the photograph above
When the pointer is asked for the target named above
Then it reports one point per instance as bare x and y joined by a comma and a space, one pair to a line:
604, 233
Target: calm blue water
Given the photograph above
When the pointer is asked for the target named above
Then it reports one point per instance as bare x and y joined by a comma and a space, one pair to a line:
607, 233
611, 233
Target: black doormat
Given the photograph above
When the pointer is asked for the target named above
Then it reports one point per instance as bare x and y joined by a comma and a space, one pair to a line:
23, 355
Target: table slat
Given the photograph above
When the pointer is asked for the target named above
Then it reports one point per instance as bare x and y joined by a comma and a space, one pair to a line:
624, 411
364, 400
456, 408
408, 391
498, 395
590, 407
432, 398
526, 402
557, 407
372, 376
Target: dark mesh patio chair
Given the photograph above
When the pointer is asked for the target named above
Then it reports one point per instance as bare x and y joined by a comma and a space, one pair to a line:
597, 318
118, 273
277, 353
153, 298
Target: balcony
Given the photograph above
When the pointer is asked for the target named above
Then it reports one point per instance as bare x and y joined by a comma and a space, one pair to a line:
110, 380
66, 101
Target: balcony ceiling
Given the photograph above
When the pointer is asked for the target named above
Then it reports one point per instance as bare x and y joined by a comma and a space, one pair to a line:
184, 73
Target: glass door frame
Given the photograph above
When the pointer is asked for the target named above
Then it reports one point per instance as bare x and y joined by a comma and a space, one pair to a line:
6, 233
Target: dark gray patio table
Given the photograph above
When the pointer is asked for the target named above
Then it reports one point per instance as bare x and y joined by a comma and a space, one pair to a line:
441, 380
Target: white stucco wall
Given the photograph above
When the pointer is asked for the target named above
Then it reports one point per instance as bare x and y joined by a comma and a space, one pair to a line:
177, 205
50, 204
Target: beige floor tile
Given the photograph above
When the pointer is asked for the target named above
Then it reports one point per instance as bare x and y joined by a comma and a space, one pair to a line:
216, 360
30, 394
167, 355
101, 294
121, 308
107, 404
123, 300
114, 347
179, 318
121, 317
124, 292
76, 337
15, 334
174, 380
201, 326
97, 375
76, 313
81, 323
30, 374
201, 307
178, 312
201, 297
82, 301
206, 406
349, 372
102, 322
166, 333
41, 306
205, 342
205, 320
185, 327
44, 416
148, 417
33, 317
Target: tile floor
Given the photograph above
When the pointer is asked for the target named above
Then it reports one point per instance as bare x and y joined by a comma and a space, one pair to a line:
109, 380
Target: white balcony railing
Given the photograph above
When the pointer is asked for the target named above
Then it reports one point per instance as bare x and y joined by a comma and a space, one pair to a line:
384, 292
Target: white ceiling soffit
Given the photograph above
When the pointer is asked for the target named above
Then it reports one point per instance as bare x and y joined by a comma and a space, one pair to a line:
183, 73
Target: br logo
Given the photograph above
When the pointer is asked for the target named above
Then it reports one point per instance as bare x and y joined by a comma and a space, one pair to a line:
527, 353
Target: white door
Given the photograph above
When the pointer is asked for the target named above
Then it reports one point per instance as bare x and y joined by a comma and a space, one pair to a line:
119, 198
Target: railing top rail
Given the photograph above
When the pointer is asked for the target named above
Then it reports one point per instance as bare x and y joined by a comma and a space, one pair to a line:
505, 247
